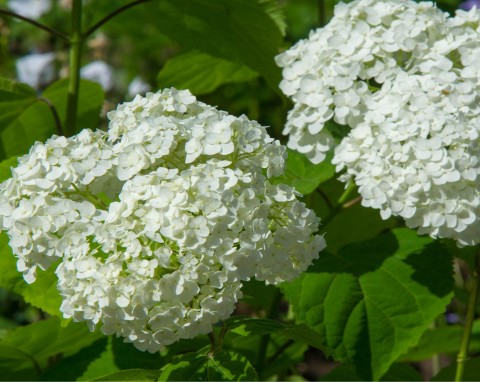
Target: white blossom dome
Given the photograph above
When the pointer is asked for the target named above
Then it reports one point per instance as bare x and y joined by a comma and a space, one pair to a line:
411, 109
155, 223
330, 75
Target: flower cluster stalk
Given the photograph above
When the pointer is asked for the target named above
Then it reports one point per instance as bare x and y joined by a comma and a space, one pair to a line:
76, 43
467, 330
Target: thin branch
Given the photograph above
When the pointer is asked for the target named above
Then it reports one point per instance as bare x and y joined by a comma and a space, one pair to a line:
54, 111
93, 28
35, 23
280, 350
321, 13
325, 198
342, 201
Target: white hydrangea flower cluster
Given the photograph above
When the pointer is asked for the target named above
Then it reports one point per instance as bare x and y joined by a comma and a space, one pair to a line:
409, 92
153, 225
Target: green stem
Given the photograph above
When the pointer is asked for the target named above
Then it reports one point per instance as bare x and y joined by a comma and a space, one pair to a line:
35, 23
213, 343
265, 340
76, 42
91, 198
340, 204
467, 330
110, 16
55, 115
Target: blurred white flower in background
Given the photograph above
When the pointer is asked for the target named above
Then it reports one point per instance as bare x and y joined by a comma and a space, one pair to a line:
36, 69
138, 86
32, 9
100, 72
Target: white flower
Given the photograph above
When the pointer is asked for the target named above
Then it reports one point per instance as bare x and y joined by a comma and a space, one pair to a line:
138, 86
100, 72
32, 9
403, 78
158, 221
420, 164
36, 69
334, 73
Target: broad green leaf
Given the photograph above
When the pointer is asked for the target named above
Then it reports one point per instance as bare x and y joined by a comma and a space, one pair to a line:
201, 73
42, 293
237, 30
34, 344
36, 122
246, 326
71, 368
118, 356
6, 325
5, 168
353, 224
202, 366
444, 339
304, 175
280, 358
16, 365
131, 375
276, 12
258, 295
15, 97
398, 372
373, 300
90, 101
471, 373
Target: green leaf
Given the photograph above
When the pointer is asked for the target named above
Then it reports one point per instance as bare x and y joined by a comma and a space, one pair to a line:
36, 121
280, 357
258, 295
15, 97
202, 73
373, 300
16, 365
71, 368
276, 12
237, 30
202, 366
31, 346
18, 106
444, 339
42, 293
304, 175
5, 168
471, 372
246, 326
90, 101
398, 372
131, 375
118, 356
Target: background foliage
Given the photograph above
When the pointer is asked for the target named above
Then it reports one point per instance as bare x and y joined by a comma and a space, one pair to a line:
381, 304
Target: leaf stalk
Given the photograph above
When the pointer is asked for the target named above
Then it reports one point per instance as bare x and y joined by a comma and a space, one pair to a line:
34, 23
